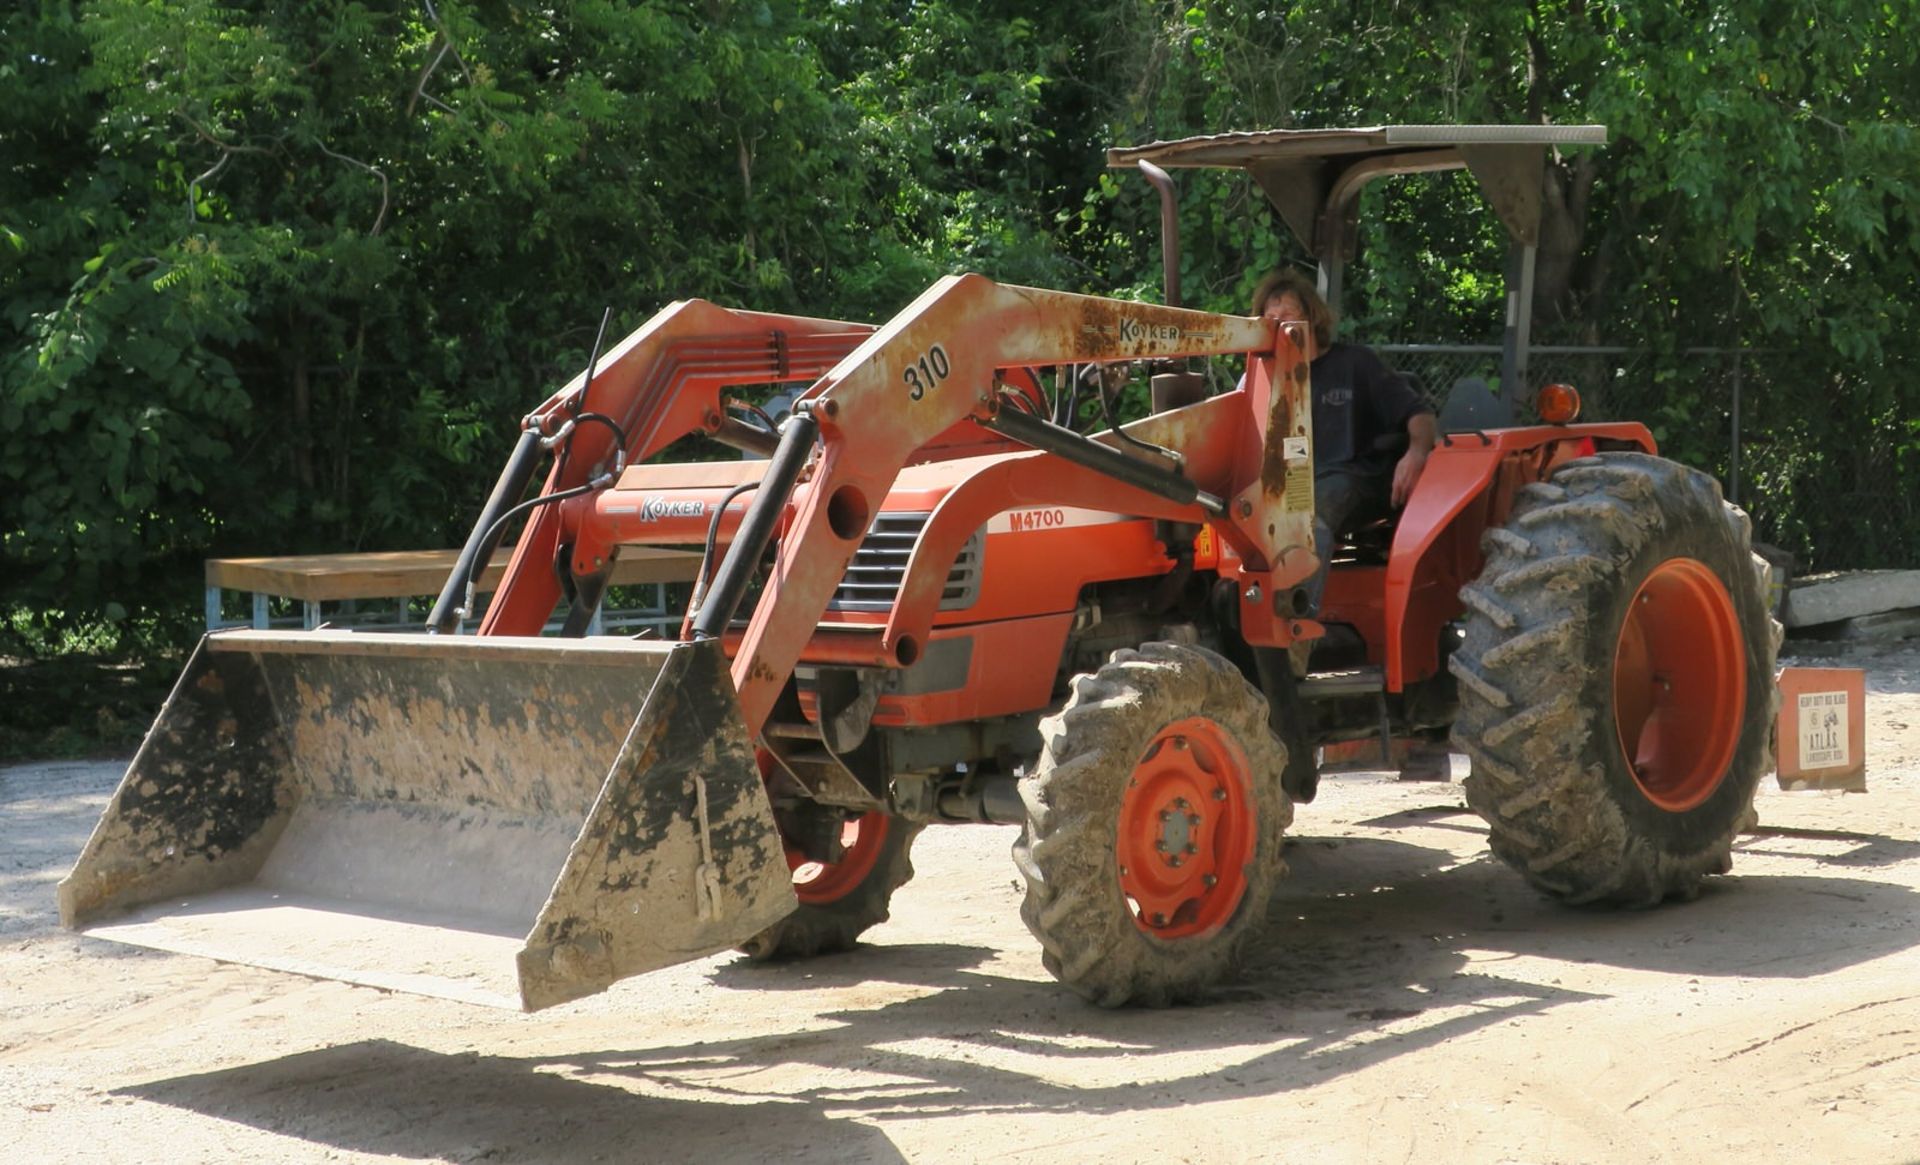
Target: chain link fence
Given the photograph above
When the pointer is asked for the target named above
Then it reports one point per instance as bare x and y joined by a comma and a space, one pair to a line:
1828, 470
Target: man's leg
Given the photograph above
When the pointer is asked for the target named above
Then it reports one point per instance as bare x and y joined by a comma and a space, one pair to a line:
1342, 501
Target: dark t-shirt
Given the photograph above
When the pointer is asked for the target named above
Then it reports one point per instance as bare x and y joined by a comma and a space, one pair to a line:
1356, 399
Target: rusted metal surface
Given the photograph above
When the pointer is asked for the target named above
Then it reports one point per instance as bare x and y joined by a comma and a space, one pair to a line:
660, 383
925, 371
1274, 509
597, 799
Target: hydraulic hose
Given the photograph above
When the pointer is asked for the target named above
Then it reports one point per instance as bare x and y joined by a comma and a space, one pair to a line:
713, 540
735, 573
446, 615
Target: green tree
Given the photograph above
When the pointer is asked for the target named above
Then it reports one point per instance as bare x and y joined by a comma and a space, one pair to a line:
280, 277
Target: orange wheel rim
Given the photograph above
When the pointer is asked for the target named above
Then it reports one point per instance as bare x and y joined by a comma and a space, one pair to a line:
861, 841
1679, 684
1186, 831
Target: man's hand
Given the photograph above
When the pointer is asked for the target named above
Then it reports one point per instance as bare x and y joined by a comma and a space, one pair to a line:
1405, 474
1420, 434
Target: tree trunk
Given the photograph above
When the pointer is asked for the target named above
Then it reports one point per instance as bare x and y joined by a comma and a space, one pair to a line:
1563, 235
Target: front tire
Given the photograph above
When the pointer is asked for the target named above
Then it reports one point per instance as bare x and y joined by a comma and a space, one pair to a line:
1153, 833
1616, 681
840, 902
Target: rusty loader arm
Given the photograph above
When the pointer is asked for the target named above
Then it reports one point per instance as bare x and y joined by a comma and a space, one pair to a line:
524, 821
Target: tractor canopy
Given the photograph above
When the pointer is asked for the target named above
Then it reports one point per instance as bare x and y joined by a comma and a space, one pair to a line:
1314, 178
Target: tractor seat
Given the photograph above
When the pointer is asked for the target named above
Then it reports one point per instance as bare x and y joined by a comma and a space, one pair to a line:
1370, 543
1470, 406
1367, 546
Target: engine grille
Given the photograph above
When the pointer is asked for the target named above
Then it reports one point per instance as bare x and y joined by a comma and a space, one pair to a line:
873, 578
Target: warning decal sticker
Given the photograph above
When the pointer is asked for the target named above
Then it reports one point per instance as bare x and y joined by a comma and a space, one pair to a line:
1823, 731
1299, 495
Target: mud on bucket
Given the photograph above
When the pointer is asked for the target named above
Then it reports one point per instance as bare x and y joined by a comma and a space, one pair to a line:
517, 822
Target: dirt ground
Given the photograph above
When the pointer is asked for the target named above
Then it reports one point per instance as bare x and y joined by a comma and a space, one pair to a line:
1412, 1000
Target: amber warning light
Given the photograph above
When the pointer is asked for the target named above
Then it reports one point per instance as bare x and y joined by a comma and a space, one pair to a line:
1557, 404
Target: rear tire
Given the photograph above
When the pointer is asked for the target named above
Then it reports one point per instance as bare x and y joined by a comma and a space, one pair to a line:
1167, 747
841, 902
1616, 681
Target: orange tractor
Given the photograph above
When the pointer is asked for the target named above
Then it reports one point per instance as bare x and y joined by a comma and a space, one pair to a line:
933, 598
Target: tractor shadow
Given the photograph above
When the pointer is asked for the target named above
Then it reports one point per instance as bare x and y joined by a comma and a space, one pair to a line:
1354, 912
1376, 947
819, 1085
392, 1099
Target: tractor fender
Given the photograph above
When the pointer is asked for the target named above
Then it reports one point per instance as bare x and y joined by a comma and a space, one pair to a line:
1457, 475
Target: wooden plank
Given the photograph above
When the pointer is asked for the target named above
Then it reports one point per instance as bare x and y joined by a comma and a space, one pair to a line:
633, 565
334, 642
326, 578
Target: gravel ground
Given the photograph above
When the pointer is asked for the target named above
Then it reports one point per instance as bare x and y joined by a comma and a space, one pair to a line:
1411, 999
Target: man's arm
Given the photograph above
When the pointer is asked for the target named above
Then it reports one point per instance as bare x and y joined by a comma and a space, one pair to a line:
1420, 434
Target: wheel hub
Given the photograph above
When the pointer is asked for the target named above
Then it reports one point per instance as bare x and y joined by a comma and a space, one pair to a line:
1679, 684
1186, 831
861, 840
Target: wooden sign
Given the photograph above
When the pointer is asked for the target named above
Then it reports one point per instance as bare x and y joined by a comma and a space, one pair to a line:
1822, 730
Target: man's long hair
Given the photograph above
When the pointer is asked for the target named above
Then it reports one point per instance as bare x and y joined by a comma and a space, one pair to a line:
1320, 317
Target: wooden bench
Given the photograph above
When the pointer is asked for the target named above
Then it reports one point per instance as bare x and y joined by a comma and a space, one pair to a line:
315, 579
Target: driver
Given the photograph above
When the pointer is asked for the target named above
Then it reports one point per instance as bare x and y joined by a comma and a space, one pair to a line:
1359, 405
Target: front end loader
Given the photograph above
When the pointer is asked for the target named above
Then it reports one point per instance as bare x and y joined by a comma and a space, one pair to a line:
931, 597
523, 820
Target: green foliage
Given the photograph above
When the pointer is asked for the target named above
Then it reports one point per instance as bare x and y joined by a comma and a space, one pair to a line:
1758, 191
277, 277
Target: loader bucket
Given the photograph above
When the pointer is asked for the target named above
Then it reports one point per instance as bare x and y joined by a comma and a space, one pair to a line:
509, 821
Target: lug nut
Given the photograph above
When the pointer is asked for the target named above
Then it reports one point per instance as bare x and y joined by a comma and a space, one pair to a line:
1161, 846
1219, 794
1175, 861
1193, 819
1166, 815
1209, 881
1192, 848
1159, 919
